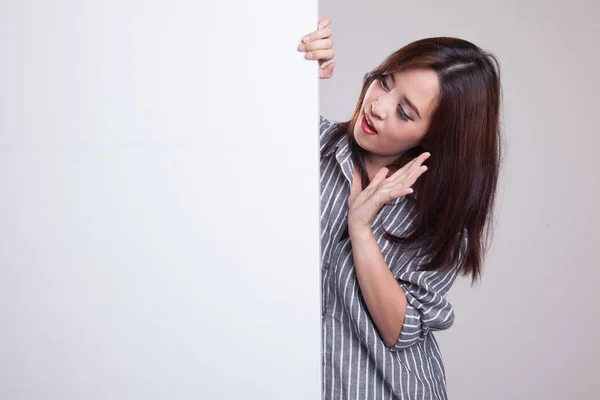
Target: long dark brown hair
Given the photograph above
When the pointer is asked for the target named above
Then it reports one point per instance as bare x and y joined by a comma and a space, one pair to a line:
456, 195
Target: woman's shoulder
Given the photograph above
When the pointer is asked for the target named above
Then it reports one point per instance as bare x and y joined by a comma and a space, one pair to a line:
324, 120
328, 132
326, 126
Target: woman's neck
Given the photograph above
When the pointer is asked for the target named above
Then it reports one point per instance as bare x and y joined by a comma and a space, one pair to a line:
375, 162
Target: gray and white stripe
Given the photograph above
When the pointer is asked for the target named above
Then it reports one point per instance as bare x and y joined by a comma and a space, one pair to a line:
356, 363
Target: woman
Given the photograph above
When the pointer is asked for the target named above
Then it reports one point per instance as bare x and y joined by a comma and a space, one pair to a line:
407, 191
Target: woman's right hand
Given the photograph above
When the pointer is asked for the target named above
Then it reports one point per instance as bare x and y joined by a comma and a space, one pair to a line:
319, 46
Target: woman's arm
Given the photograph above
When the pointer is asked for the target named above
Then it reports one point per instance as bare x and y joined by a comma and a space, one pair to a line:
383, 296
406, 307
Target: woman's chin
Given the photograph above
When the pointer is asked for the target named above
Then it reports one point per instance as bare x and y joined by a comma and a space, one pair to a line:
359, 137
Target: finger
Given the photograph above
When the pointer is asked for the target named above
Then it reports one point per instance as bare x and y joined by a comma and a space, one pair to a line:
418, 163
410, 180
418, 172
423, 156
414, 174
321, 44
390, 191
415, 161
327, 71
318, 34
402, 171
410, 166
405, 167
401, 192
379, 177
371, 191
322, 55
324, 22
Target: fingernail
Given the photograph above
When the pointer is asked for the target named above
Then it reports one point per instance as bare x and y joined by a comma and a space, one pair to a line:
309, 55
320, 27
302, 47
306, 39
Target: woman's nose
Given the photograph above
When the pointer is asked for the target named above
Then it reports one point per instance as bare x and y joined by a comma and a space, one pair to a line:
377, 110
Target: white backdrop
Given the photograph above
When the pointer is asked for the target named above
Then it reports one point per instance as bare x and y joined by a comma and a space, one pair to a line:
158, 201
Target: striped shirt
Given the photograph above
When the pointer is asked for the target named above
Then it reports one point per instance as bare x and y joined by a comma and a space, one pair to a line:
356, 363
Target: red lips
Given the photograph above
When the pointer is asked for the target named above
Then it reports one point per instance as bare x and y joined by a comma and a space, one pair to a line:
367, 127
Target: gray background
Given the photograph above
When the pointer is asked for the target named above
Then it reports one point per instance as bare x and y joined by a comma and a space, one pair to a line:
531, 329
157, 179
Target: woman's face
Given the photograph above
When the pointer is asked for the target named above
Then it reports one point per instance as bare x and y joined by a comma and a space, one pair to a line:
399, 107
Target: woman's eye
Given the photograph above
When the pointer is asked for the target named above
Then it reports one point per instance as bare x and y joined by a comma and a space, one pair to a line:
384, 82
403, 114
386, 87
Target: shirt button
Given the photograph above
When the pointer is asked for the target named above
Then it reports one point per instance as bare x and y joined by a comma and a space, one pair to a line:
326, 265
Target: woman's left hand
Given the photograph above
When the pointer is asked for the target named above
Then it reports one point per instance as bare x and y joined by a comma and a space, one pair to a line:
318, 45
363, 208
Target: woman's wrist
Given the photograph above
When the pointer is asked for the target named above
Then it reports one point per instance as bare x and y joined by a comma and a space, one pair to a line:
359, 231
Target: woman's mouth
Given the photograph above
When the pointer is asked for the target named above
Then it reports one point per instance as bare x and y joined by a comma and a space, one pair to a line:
367, 126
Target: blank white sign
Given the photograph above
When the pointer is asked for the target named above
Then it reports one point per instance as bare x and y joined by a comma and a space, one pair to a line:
158, 201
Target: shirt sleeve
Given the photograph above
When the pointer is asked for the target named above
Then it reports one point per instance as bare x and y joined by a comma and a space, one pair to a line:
426, 306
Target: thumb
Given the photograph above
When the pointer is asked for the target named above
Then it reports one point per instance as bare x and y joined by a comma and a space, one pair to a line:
327, 71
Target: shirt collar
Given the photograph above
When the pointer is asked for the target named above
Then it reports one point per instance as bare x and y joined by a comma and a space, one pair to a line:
343, 155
